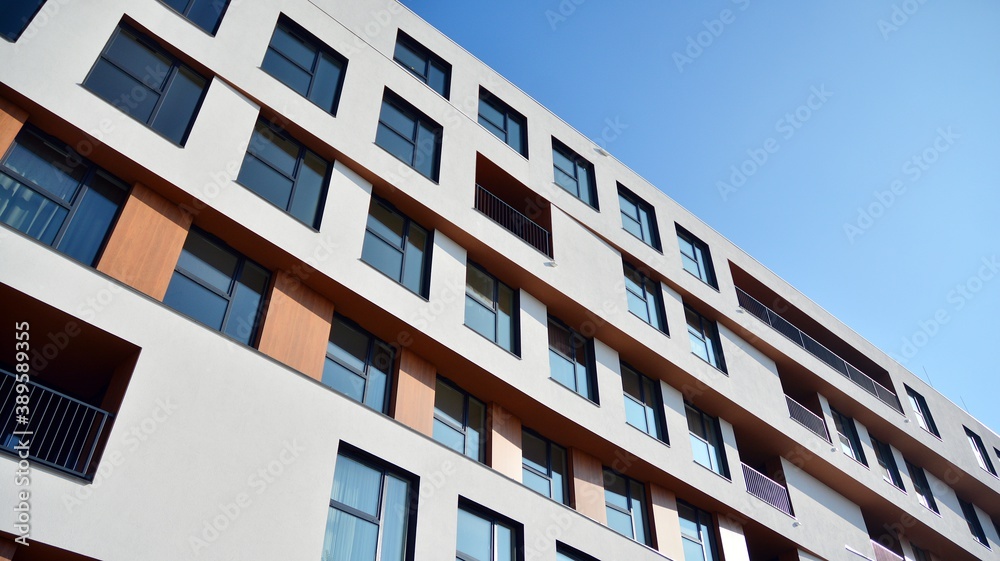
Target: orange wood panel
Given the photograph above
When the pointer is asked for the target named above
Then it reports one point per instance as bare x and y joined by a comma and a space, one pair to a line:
587, 491
7, 549
146, 242
296, 328
504, 442
414, 401
12, 118
666, 523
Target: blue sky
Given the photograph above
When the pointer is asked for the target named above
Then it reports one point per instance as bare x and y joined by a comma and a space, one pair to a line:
880, 122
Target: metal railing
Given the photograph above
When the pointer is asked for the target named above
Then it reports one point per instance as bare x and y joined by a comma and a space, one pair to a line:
513, 220
56, 430
807, 418
884, 554
800, 338
767, 490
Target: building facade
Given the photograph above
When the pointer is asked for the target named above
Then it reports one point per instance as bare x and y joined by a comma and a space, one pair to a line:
303, 279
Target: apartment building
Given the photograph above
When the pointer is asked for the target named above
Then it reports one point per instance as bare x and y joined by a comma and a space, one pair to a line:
303, 279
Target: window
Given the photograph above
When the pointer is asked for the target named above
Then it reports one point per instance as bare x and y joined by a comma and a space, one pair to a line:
427, 66
979, 449
491, 308
48, 192
218, 287
849, 441
459, 421
975, 526
625, 501
570, 359
638, 217
371, 512
645, 299
397, 246
485, 536
924, 493
643, 403
410, 136
505, 123
285, 173
143, 80
706, 440
206, 14
695, 257
566, 553
358, 364
924, 418
919, 554
302, 62
704, 336
543, 466
16, 16
697, 533
887, 463
573, 173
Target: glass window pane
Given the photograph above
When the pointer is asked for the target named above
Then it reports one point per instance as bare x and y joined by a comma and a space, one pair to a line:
567, 182
280, 152
47, 166
395, 144
615, 489
449, 404
479, 285
29, 212
122, 91
497, 132
536, 482
293, 47
505, 318
349, 538
410, 59
348, 345
449, 436
563, 371
386, 223
427, 149
326, 82
702, 451
638, 505
534, 452
620, 522
139, 60
382, 256
491, 114
416, 246
583, 381
437, 79
647, 227
515, 135
15, 16
179, 104
357, 485
564, 163
206, 14
195, 301
343, 380
637, 306
635, 414
476, 445
245, 307
558, 473
693, 551
475, 536
376, 395
505, 543
93, 218
398, 121
309, 188
559, 339
286, 72
395, 519
482, 320
209, 262
263, 180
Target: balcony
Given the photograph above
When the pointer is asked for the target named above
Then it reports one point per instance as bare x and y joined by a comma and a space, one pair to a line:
797, 336
62, 432
767, 490
807, 418
513, 221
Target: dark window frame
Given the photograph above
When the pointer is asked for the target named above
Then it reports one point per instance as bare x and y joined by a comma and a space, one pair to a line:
711, 426
572, 553
704, 520
924, 417
650, 237
509, 114
176, 65
429, 59
979, 450
515, 323
464, 428
706, 330
73, 160
26, 22
401, 246
385, 469
646, 384
975, 524
650, 289
643, 506
925, 494
303, 152
842, 423
580, 165
185, 13
419, 119
703, 263
887, 461
372, 344
495, 519
549, 447
319, 48
592, 393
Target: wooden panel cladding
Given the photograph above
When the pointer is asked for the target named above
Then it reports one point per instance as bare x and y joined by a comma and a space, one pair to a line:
503, 452
7, 549
296, 328
587, 490
414, 399
146, 242
666, 522
12, 118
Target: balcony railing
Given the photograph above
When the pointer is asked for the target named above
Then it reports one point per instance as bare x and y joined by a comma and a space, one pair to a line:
767, 490
884, 554
800, 338
807, 418
62, 432
513, 221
